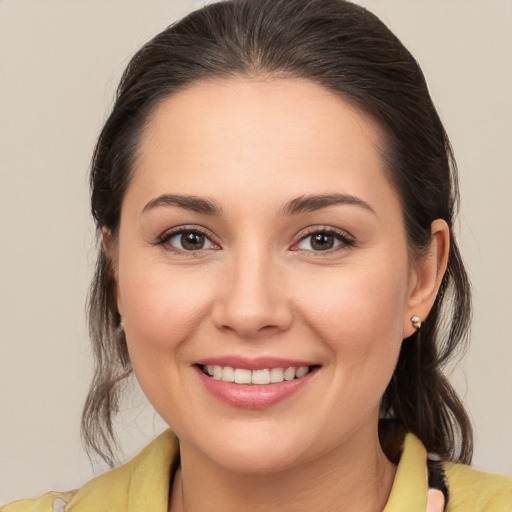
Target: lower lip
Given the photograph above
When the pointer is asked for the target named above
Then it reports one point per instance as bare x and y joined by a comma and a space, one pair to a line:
253, 396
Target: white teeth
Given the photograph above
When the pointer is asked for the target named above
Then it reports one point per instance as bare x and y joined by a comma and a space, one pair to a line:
217, 372
259, 377
289, 374
303, 370
228, 374
276, 375
243, 376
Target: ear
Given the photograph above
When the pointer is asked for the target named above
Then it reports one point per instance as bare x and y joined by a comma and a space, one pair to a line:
110, 250
426, 275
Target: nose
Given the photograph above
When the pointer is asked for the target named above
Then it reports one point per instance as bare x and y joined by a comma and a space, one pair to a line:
253, 300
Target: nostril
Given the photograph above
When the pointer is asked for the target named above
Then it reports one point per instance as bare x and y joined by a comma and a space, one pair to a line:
269, 328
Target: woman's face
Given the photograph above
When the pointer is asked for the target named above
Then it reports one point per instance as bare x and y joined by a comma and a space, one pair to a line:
259, 232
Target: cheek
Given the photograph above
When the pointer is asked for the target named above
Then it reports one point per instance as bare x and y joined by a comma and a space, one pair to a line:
162, 307
365, 299
358, 314
163, 310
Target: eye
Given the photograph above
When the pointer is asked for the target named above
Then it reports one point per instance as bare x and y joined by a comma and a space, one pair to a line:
324, 240
187, 240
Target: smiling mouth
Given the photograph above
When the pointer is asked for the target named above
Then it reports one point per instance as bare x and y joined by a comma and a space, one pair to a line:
259, 377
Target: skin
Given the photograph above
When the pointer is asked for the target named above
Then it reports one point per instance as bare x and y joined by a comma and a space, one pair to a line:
435, 501
259, 288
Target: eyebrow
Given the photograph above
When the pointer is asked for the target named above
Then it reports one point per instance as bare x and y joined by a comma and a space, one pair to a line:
296, 206
311, 203
193, 203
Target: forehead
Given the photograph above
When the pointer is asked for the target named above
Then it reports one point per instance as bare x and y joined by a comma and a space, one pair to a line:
253, 136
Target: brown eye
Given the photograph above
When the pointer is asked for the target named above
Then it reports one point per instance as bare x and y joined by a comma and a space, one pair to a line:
322, 242
192, 241
188, 241
319, 241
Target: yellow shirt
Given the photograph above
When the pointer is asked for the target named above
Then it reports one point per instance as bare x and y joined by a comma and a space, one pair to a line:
142, 485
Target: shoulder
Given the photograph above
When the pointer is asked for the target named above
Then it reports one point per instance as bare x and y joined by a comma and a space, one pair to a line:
475, 490
142, 483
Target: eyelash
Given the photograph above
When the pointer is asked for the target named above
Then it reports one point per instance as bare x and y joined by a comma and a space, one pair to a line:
345, 240
164, 239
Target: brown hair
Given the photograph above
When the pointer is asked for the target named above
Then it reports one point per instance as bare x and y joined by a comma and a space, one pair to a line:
346, 49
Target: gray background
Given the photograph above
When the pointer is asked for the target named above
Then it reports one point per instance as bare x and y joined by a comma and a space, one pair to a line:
59, 64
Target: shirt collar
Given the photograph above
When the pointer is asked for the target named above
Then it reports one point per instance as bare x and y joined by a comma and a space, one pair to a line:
409, 491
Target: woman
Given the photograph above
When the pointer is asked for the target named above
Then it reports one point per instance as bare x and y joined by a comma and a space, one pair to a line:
275, 195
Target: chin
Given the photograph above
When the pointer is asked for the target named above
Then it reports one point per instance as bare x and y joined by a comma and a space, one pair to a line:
258, 460
250, 449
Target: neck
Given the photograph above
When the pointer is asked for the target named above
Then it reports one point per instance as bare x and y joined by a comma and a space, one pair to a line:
353, 477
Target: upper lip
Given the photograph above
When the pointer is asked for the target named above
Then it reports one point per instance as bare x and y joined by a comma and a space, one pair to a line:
257, 363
